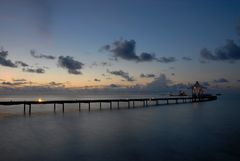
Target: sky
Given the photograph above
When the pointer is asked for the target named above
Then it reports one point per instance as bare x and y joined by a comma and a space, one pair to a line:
149, 44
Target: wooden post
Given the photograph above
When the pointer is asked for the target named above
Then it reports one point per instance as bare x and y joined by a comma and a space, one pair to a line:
167, 101
146, 103
128, 104
100, 105
133, 104
24, 109
176, 101
89, 108
143, 103
110, 105
79, 106
54, 107
118, 105
30, 109
63, 107
156, 102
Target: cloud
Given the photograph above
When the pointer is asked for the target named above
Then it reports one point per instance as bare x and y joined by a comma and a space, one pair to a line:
19, 80
114, 86
166, 59
17, 83
32, 70
4, 61
160, 82
68, 62
55, 84
40, 56
122, 74
186, 58
221, 80
97, 80
22, 64
146, 57
229, 52
147, 75
125, 49
100, 64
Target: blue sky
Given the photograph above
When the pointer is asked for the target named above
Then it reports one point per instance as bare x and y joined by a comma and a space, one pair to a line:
78, 31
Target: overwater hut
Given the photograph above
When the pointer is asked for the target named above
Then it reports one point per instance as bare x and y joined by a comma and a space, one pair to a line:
198, 90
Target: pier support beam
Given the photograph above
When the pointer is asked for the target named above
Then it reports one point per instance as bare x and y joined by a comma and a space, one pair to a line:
89, 108
63, 107
128, 104
79, 106
110, 105
133, 104
118, 105
100, 104
54, 107
24, 109
29, 109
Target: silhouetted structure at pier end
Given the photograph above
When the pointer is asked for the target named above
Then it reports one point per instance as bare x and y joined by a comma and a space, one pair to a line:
199, 91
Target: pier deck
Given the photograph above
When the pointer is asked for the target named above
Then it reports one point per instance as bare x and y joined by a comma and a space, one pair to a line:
145, 101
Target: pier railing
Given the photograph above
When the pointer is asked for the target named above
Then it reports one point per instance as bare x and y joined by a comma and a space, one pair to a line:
145, 102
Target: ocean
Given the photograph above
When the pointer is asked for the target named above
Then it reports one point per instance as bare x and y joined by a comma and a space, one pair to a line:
205, 131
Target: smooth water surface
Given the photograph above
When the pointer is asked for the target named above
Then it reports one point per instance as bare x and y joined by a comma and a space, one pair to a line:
205, 131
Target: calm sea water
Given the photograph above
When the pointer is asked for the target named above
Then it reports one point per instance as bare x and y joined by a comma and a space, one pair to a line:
205, 131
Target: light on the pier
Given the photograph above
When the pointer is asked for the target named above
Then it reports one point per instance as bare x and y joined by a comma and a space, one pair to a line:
40, 99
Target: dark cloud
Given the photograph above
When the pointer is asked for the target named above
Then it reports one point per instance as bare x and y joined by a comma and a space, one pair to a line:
101, 64
39, 56
32, 70
221, 80
22, 64
55, 84
122, 74
97, 80
125, 49
19, 80
73, 66
146, 57
147, 75
114, 86
229, 52
166, 59
4, 61
186, 58
17, 83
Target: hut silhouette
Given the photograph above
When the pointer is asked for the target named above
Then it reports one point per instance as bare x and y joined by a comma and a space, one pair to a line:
198, 90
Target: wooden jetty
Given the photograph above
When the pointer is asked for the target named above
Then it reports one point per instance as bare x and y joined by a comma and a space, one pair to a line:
145, 102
